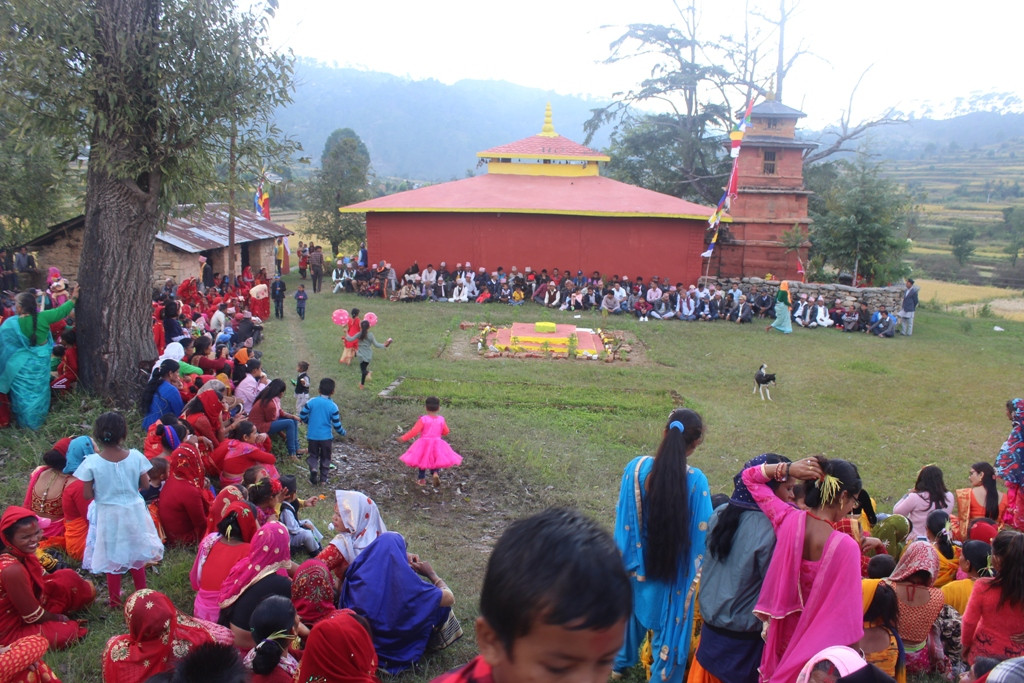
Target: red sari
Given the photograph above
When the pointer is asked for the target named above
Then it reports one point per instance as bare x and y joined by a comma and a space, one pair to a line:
208, 423
216, 557
23, 662
238, 456
221, 505
51, 509
313, 592
27, 594
158, 636
185, 498
339, 633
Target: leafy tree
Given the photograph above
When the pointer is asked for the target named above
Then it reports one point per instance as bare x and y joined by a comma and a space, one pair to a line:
701, 83
343, 178
151, 86
1013, 221
962, 242
859, 220
647, 153
36, 187
686, 143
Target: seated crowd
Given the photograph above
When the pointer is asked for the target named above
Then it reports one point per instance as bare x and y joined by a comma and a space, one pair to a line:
655, 298
936, 587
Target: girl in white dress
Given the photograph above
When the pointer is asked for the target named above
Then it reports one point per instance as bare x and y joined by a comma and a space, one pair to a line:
122, 537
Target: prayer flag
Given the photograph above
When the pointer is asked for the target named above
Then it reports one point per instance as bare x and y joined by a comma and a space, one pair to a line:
261, 202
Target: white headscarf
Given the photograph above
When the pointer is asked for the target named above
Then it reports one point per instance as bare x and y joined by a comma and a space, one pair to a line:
173, 351
362, 520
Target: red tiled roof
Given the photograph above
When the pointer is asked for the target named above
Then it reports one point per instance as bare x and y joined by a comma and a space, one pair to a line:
543, 146
500, 193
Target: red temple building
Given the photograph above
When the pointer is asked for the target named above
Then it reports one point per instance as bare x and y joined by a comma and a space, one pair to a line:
771, 199
544, 204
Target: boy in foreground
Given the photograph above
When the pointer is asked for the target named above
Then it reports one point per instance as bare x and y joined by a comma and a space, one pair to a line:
553, 606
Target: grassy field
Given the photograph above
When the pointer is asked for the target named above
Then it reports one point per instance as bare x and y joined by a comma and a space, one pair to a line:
540, 432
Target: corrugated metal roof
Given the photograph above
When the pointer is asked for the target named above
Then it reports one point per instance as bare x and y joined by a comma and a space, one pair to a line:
195, 233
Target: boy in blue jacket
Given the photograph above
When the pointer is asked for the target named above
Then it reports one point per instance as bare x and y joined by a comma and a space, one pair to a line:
321, 415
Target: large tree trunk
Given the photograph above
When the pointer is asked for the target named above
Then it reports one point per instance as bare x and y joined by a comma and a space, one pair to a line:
116, 272
121, 209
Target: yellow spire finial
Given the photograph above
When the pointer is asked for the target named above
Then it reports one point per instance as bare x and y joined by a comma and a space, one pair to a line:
548, 131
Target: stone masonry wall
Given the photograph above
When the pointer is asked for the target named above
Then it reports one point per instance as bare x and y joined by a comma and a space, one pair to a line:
891, 297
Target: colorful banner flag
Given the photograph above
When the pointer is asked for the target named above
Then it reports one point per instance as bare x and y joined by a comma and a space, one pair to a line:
737, 132
261, 202
732, 187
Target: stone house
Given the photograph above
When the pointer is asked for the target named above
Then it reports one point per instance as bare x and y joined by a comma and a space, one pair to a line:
178, 246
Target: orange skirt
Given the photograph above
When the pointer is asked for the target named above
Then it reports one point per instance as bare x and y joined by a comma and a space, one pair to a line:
75, 531
698, 674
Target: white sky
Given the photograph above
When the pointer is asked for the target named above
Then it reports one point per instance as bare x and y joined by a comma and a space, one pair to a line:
918, 52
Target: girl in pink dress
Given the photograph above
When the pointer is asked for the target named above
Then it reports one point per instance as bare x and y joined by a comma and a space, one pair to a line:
430, 451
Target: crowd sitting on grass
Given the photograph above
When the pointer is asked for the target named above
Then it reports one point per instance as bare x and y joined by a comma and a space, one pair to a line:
656, 297
797, 552
935, 588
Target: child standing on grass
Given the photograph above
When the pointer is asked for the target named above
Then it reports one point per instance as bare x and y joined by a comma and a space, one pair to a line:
301, 386
122, 537
430, 451
300, 301
321, 415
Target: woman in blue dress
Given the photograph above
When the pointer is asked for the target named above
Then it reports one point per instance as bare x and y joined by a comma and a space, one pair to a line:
25, 349
161, 395
662, 537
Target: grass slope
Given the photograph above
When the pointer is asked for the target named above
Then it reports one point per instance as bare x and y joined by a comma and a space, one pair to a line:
539, 432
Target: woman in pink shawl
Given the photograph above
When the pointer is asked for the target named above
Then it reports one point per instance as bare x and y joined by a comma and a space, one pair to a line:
264, 572
811, 596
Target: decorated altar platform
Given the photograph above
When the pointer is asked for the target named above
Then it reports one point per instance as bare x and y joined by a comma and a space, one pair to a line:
547, 338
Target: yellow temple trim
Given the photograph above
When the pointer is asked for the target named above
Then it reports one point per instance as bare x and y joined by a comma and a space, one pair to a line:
556, 170
543, 212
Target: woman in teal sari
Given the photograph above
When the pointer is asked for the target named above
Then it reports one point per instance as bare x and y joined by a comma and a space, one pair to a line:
661, 533
25, 346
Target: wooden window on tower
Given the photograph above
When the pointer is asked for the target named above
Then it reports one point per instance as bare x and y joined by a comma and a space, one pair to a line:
768, 167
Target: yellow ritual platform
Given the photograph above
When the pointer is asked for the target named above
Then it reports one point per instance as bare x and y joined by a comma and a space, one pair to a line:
525, 337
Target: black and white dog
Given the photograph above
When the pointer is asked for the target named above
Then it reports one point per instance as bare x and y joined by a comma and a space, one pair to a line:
762, 380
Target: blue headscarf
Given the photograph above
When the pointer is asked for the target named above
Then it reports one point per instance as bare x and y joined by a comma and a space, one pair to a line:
741, 497
77, 450
401, 607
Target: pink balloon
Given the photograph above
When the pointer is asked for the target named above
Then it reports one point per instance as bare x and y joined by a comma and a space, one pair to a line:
340, 317
371, 318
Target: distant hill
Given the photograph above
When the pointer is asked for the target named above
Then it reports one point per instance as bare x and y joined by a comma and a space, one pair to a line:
929, 138
422, 130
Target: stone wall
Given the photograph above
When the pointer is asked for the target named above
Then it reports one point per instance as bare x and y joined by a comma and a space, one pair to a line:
63, 254
891, 297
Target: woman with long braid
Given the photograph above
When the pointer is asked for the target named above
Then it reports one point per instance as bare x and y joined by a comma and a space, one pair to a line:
660, 527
